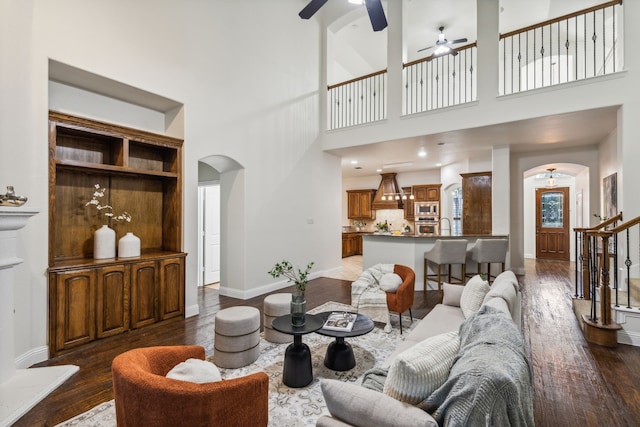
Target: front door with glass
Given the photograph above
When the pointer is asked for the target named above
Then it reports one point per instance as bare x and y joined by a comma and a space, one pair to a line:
552, 223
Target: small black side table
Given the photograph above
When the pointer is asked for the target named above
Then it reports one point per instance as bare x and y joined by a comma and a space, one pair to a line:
339, 356
297, 371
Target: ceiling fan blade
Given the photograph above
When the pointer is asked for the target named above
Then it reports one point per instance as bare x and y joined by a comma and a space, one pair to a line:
459, 40
310, 9
425, 48
376, 14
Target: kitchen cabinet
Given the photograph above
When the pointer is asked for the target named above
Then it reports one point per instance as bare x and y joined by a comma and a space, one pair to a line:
426, 193
476, 203
359, 204
409, 205
141, 173
351, 244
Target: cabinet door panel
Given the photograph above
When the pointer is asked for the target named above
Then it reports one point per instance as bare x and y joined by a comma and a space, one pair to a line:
75, 311
171, 288
112, 305
144, 279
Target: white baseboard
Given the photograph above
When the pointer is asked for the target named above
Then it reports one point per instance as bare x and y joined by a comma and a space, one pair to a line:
629, 338
261, 290
192, 310
31, 357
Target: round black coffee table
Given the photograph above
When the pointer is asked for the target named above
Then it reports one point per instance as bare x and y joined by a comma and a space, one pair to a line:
339, 356
297, 371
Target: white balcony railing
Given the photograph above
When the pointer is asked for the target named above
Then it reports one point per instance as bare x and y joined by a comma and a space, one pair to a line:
573, 47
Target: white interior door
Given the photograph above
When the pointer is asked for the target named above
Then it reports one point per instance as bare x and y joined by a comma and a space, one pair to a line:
211, 226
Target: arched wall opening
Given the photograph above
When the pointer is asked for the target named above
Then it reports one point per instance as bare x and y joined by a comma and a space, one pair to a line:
231, 179
573, 176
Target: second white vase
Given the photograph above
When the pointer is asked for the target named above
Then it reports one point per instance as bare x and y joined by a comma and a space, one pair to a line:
129, 246
104, 243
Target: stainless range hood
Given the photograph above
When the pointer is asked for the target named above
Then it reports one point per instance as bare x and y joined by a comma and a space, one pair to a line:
389, 189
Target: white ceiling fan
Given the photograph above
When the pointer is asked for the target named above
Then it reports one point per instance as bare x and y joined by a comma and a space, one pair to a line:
443, 46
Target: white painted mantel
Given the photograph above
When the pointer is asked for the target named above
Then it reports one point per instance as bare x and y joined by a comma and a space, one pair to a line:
20, 389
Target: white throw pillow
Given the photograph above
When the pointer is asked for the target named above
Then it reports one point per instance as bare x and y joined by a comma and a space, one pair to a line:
451, 294
420, 370
195, 371
473, 295
390, 282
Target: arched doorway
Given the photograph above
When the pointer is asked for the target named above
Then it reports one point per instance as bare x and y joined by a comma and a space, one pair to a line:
228, 175
572, 176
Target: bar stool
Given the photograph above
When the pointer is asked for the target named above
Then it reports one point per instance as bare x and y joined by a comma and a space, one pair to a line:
445, 252
488, 251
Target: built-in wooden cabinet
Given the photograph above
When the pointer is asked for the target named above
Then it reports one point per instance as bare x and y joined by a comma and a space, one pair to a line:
476, 203
141, 173
426, 193
409, 206
359, 204
89, 302
351, 244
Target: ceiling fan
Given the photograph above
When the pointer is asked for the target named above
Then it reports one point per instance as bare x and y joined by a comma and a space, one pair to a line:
374, 8
443, 46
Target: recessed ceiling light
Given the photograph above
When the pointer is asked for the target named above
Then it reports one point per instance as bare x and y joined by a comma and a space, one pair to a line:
422, 153
378, 170
354, 162
438, 164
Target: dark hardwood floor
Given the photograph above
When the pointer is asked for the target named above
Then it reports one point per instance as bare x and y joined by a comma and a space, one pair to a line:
576, 384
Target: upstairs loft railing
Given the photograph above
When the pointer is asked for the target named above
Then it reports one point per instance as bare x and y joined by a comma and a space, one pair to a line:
358, 101
572, 47
440, 81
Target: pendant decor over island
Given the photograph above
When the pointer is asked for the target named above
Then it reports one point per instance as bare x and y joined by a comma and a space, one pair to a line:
299, 278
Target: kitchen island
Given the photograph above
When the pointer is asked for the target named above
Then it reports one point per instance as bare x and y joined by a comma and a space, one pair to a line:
409, 249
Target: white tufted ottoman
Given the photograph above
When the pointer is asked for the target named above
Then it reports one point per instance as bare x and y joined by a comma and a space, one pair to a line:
276, 305
237, 337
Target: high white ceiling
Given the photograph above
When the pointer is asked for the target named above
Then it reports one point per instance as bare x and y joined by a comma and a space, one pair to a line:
349, 26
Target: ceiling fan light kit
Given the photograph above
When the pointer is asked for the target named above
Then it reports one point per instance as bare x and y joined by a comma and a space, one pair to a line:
374, 9
443, 46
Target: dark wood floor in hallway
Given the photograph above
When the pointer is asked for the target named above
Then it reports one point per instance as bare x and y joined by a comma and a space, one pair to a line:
576, 384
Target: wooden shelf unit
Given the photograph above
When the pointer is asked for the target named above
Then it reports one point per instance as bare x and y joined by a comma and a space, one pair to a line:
142, 175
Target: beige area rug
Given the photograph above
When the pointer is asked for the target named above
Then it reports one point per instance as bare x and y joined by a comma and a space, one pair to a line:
292, 406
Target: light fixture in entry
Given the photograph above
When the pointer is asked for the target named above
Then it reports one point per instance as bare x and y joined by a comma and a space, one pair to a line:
551, 182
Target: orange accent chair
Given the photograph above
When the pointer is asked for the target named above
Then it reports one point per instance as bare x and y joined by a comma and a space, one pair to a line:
402, 299
144, 396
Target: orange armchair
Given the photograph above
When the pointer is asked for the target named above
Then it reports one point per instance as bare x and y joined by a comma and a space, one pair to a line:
145, 397
402, 298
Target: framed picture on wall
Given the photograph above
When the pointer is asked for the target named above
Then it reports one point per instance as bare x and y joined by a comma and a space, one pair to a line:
610, 195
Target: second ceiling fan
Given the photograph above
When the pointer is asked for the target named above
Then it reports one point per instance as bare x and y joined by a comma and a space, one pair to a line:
443, 46
374, 8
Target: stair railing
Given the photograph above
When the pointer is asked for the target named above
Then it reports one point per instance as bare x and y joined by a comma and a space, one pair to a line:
615, 231
586, 247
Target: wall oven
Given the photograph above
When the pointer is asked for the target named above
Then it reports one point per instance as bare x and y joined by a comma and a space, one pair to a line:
424, 228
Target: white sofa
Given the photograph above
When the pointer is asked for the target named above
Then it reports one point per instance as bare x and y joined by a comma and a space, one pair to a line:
432, 337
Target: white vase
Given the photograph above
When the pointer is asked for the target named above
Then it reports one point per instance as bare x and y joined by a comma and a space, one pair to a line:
104, 243
129, 246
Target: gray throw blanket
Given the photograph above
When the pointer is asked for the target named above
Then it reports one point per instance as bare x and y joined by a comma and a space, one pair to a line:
375, 378
490, 383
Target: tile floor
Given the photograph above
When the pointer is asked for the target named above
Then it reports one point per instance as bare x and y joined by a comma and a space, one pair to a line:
351, 268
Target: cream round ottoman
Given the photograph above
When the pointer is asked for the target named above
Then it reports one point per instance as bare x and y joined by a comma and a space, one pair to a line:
237, 337
276, 305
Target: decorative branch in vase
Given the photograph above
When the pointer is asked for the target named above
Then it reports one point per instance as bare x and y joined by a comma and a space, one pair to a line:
104, 242
300, 280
